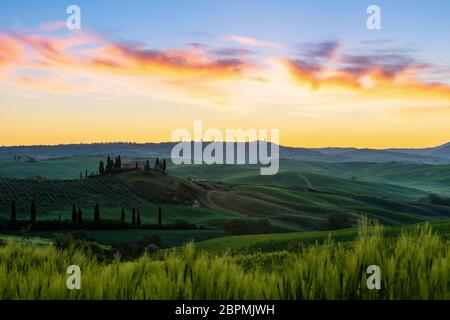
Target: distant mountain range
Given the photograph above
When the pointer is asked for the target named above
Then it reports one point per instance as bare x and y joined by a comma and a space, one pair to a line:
435, 155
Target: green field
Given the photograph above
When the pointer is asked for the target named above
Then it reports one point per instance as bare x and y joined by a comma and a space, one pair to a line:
418, 178
59, 168
281, 241
300, 198
414, 266
288, 207
301, 258
170, 238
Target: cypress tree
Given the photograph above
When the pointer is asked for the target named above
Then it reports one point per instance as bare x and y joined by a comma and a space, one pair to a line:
138, 220
80, 216
96, 213
137, 166
33, 211
101, 168
157, 163
85, 174
119, 160
108, 164
159, 217
164, 165
122, 216
74, 214
13, 212
147, 165
133, 217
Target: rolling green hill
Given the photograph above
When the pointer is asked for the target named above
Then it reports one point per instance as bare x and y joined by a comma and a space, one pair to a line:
429, 178
59, 168
282, 241
416, 178
288, 208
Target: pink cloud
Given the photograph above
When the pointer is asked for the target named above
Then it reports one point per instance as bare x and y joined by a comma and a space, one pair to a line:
253, 42
52, 26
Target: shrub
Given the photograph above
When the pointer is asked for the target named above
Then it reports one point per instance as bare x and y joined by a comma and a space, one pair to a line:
151, 239
81, 235
437, 199
65, 242
338, 221
127, 250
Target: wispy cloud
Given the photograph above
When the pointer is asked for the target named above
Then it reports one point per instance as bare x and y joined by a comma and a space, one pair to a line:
251, 42
52, 26
326, 49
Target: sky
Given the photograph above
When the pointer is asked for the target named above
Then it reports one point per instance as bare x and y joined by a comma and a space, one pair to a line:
139, 70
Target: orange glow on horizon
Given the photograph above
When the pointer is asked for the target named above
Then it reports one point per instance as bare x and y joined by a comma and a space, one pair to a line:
84, 88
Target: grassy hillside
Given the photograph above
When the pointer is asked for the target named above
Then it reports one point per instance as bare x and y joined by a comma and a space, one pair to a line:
170, 238
429, 178
157, 187
416, 178
60, 168
288, 208
283, 241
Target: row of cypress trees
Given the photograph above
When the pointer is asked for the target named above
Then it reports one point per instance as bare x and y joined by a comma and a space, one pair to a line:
136, 217
77, 214
159, 164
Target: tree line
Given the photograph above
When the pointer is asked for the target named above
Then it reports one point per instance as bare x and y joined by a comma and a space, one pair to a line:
112, 166
77, 215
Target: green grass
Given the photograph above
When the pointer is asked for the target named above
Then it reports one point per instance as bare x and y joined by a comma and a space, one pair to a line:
170, 238
413, 266
154, 186
298, 176
282, 241
61, 168
429, 178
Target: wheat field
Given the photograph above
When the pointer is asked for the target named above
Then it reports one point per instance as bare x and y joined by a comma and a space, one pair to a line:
413, 266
